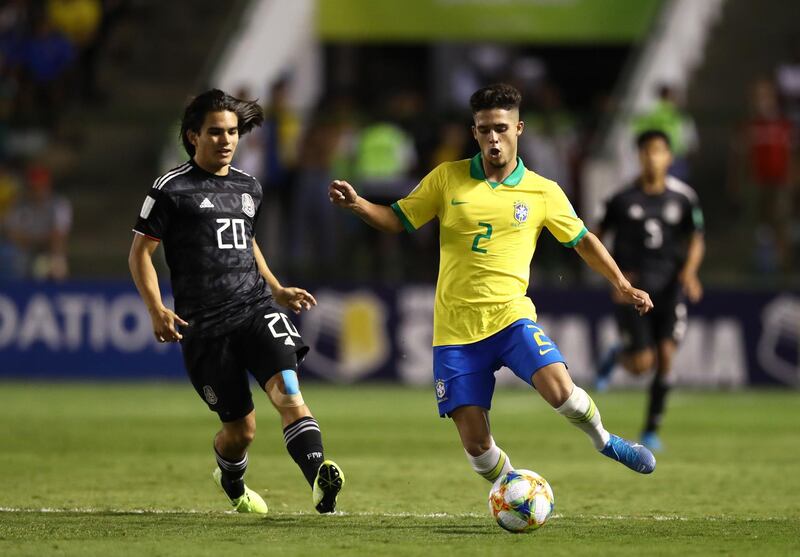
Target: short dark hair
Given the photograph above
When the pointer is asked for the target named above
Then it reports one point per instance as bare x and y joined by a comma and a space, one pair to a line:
499, 95
248, 113
647, 136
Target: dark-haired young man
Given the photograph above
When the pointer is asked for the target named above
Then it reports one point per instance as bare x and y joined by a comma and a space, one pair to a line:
226, 319
491, 210
658, 241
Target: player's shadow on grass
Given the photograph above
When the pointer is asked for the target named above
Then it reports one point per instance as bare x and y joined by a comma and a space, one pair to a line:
464, 529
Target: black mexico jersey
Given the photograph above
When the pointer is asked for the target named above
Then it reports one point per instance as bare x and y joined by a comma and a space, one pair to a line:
205, 223
652, 232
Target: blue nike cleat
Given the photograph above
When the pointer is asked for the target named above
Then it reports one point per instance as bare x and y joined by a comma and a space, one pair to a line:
601, 384
633, 455
605, 369
651, 440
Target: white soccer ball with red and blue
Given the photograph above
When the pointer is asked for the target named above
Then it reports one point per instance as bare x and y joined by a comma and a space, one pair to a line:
521, 501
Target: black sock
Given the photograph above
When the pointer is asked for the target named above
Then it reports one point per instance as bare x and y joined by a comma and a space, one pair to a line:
232, 475
304, 443
658, 396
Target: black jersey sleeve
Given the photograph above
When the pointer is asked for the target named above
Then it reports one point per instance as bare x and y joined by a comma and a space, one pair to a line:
695, 221
608, 221
260, 197
154, 217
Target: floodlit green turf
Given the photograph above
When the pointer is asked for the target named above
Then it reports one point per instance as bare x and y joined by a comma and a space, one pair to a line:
125, 470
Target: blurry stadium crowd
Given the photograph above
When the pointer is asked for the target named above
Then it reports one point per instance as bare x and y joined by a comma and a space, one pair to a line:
48, 58
385, 150
765, 168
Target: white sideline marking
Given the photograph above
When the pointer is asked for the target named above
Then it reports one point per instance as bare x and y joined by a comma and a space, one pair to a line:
195, 511
657, 518
102, 511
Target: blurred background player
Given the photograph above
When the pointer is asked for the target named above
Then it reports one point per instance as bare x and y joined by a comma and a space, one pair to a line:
658, 242
205, 212
38, 226
668, 116
764, 178
491, 210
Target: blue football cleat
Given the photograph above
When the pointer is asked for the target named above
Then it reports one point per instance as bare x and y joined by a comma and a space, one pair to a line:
601, 384
633, 455
651, 440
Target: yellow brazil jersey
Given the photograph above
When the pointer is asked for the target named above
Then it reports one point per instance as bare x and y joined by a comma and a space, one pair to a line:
487, 237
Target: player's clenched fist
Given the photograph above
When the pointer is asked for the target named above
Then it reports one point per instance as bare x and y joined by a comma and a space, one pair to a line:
165, 323
637, 298
342, 194
296, 299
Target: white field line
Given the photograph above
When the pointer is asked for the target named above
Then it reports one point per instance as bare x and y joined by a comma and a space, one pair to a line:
89, 510
656, 518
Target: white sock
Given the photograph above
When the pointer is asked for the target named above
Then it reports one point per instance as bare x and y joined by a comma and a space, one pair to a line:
492, 464
582, 412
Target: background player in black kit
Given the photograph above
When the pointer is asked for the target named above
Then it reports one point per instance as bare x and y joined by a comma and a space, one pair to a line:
204, 212
658, 244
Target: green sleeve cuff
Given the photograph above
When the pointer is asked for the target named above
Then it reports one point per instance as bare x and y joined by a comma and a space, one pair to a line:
577, 239
402, 216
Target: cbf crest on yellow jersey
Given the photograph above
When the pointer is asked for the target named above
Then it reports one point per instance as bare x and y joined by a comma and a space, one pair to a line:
487, 237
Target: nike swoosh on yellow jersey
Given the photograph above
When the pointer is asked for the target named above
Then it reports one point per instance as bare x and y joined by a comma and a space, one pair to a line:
543, 352
454, 202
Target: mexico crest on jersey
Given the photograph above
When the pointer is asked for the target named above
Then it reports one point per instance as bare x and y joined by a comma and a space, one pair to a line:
209, 395
520, 212
248, 206
672, 212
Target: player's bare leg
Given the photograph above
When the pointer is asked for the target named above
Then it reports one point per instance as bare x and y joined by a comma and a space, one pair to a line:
303, 440
230, 447
639, 362
636, 363
485, 457
659, 389
556, 387
233, 439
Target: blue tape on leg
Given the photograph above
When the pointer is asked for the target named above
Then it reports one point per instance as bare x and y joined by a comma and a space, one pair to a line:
290, 382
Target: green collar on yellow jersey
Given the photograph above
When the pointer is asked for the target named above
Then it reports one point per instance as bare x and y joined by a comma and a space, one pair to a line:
513, 179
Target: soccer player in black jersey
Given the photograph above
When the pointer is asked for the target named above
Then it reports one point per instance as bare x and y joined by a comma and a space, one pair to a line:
658, 243
226, 314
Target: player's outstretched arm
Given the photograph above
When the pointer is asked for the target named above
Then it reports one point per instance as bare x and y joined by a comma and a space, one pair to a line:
140, 262
377, 216
296, 299
688, 274
592, 250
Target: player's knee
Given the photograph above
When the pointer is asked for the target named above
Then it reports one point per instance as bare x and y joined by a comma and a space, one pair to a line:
246, 436
283, 390
477, 447
553, 383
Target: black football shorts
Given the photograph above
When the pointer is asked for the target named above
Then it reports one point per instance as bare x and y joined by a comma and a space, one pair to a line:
218, 366
667, 320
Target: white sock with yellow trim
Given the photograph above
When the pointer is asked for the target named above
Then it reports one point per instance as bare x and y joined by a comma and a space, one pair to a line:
582, 412
492, 464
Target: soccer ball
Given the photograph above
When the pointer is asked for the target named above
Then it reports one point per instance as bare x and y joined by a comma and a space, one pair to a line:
521, 501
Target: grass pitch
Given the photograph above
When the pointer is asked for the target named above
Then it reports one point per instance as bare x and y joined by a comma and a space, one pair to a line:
118, 469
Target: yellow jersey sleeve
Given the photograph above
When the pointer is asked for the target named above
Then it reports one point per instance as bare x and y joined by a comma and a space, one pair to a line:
423, 203
560, 218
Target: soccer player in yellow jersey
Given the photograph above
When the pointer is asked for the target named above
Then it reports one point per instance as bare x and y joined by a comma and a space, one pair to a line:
491, 210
